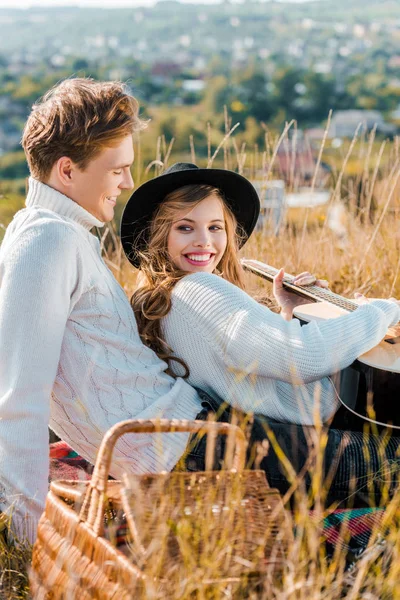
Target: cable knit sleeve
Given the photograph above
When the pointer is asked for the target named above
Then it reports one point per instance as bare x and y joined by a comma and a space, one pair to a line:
38, 280
248, 337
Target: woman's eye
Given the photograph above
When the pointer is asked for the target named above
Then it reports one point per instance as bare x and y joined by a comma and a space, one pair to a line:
117, 172
184, 228
215, 228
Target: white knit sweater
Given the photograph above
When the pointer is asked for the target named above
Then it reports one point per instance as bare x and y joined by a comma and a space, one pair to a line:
239, 350
71, 356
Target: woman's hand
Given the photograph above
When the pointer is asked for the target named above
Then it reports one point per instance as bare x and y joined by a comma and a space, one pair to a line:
288, 300
361, 299
307, 278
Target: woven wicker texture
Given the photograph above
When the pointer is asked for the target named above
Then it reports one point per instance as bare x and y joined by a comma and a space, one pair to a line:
221, 525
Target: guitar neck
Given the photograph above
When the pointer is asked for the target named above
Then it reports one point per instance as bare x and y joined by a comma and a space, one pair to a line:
312, 292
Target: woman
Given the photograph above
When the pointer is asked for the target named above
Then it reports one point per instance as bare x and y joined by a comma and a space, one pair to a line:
183, 230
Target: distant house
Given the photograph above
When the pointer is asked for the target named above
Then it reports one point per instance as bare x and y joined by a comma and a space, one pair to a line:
394, 62
193, 85
163, 73
165, 69
301, 164
314, 137
345, 122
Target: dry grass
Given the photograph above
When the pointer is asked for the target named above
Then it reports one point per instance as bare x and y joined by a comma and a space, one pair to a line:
14, 562
362, 254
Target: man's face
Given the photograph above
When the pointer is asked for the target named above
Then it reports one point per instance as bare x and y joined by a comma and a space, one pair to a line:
97, 187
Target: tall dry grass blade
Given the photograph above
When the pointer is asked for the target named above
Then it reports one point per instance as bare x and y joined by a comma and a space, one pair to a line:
364, 191
103, 234
256, 161
268, 148
394, 151
264, 162
273, 156
163, 145
168, 152
158, 160
240, 155
154, 163
114, 248
192, 149
208, 141
396, 274
118, 254
314, 179
361, 153
228, 125
138, 161
286, 148
336, 195
222, 142
293, 151
321, 150
374, 176
378, 225
252, 167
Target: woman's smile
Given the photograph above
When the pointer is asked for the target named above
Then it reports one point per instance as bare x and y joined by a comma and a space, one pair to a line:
199, 259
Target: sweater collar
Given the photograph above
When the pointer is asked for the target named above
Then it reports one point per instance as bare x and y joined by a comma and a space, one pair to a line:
40, 194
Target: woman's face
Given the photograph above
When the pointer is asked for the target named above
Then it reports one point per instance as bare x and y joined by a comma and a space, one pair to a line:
197, 238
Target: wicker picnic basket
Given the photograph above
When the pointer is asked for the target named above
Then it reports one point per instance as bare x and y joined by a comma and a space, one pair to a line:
218, 526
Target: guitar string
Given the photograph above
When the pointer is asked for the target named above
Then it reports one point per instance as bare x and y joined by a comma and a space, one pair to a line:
311, 290
364, 418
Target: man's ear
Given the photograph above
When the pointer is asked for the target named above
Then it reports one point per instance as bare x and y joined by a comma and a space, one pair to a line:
64, 169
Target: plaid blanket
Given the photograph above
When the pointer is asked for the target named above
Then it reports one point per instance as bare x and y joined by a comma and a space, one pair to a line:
351, 529
65, 463
348, 528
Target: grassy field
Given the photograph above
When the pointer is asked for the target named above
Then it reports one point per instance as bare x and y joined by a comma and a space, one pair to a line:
358, 250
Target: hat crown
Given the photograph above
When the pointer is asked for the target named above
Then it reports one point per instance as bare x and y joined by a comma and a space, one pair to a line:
180, 166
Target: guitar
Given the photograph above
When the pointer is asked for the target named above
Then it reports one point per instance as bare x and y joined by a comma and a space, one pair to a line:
377, 371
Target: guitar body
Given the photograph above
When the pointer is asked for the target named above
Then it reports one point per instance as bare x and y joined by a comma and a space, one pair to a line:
374, 378
370, 387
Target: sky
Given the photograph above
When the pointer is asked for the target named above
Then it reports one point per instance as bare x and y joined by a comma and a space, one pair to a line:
99, 3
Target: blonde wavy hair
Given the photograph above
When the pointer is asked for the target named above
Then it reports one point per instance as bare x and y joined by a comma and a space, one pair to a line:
152, 299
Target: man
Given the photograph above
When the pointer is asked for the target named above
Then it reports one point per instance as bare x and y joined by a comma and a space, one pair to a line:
70, 353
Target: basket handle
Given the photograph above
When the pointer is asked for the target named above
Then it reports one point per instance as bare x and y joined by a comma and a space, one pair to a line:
93, 504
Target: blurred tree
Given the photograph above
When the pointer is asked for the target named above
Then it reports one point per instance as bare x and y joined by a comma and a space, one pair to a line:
80, 64
13, 166
320, 95
253, 94
285, 80
28, 89
217, 94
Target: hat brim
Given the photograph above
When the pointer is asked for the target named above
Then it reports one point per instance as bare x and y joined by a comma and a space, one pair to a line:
239, 193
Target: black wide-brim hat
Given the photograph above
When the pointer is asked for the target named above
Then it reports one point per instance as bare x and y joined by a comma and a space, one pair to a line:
238, 192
